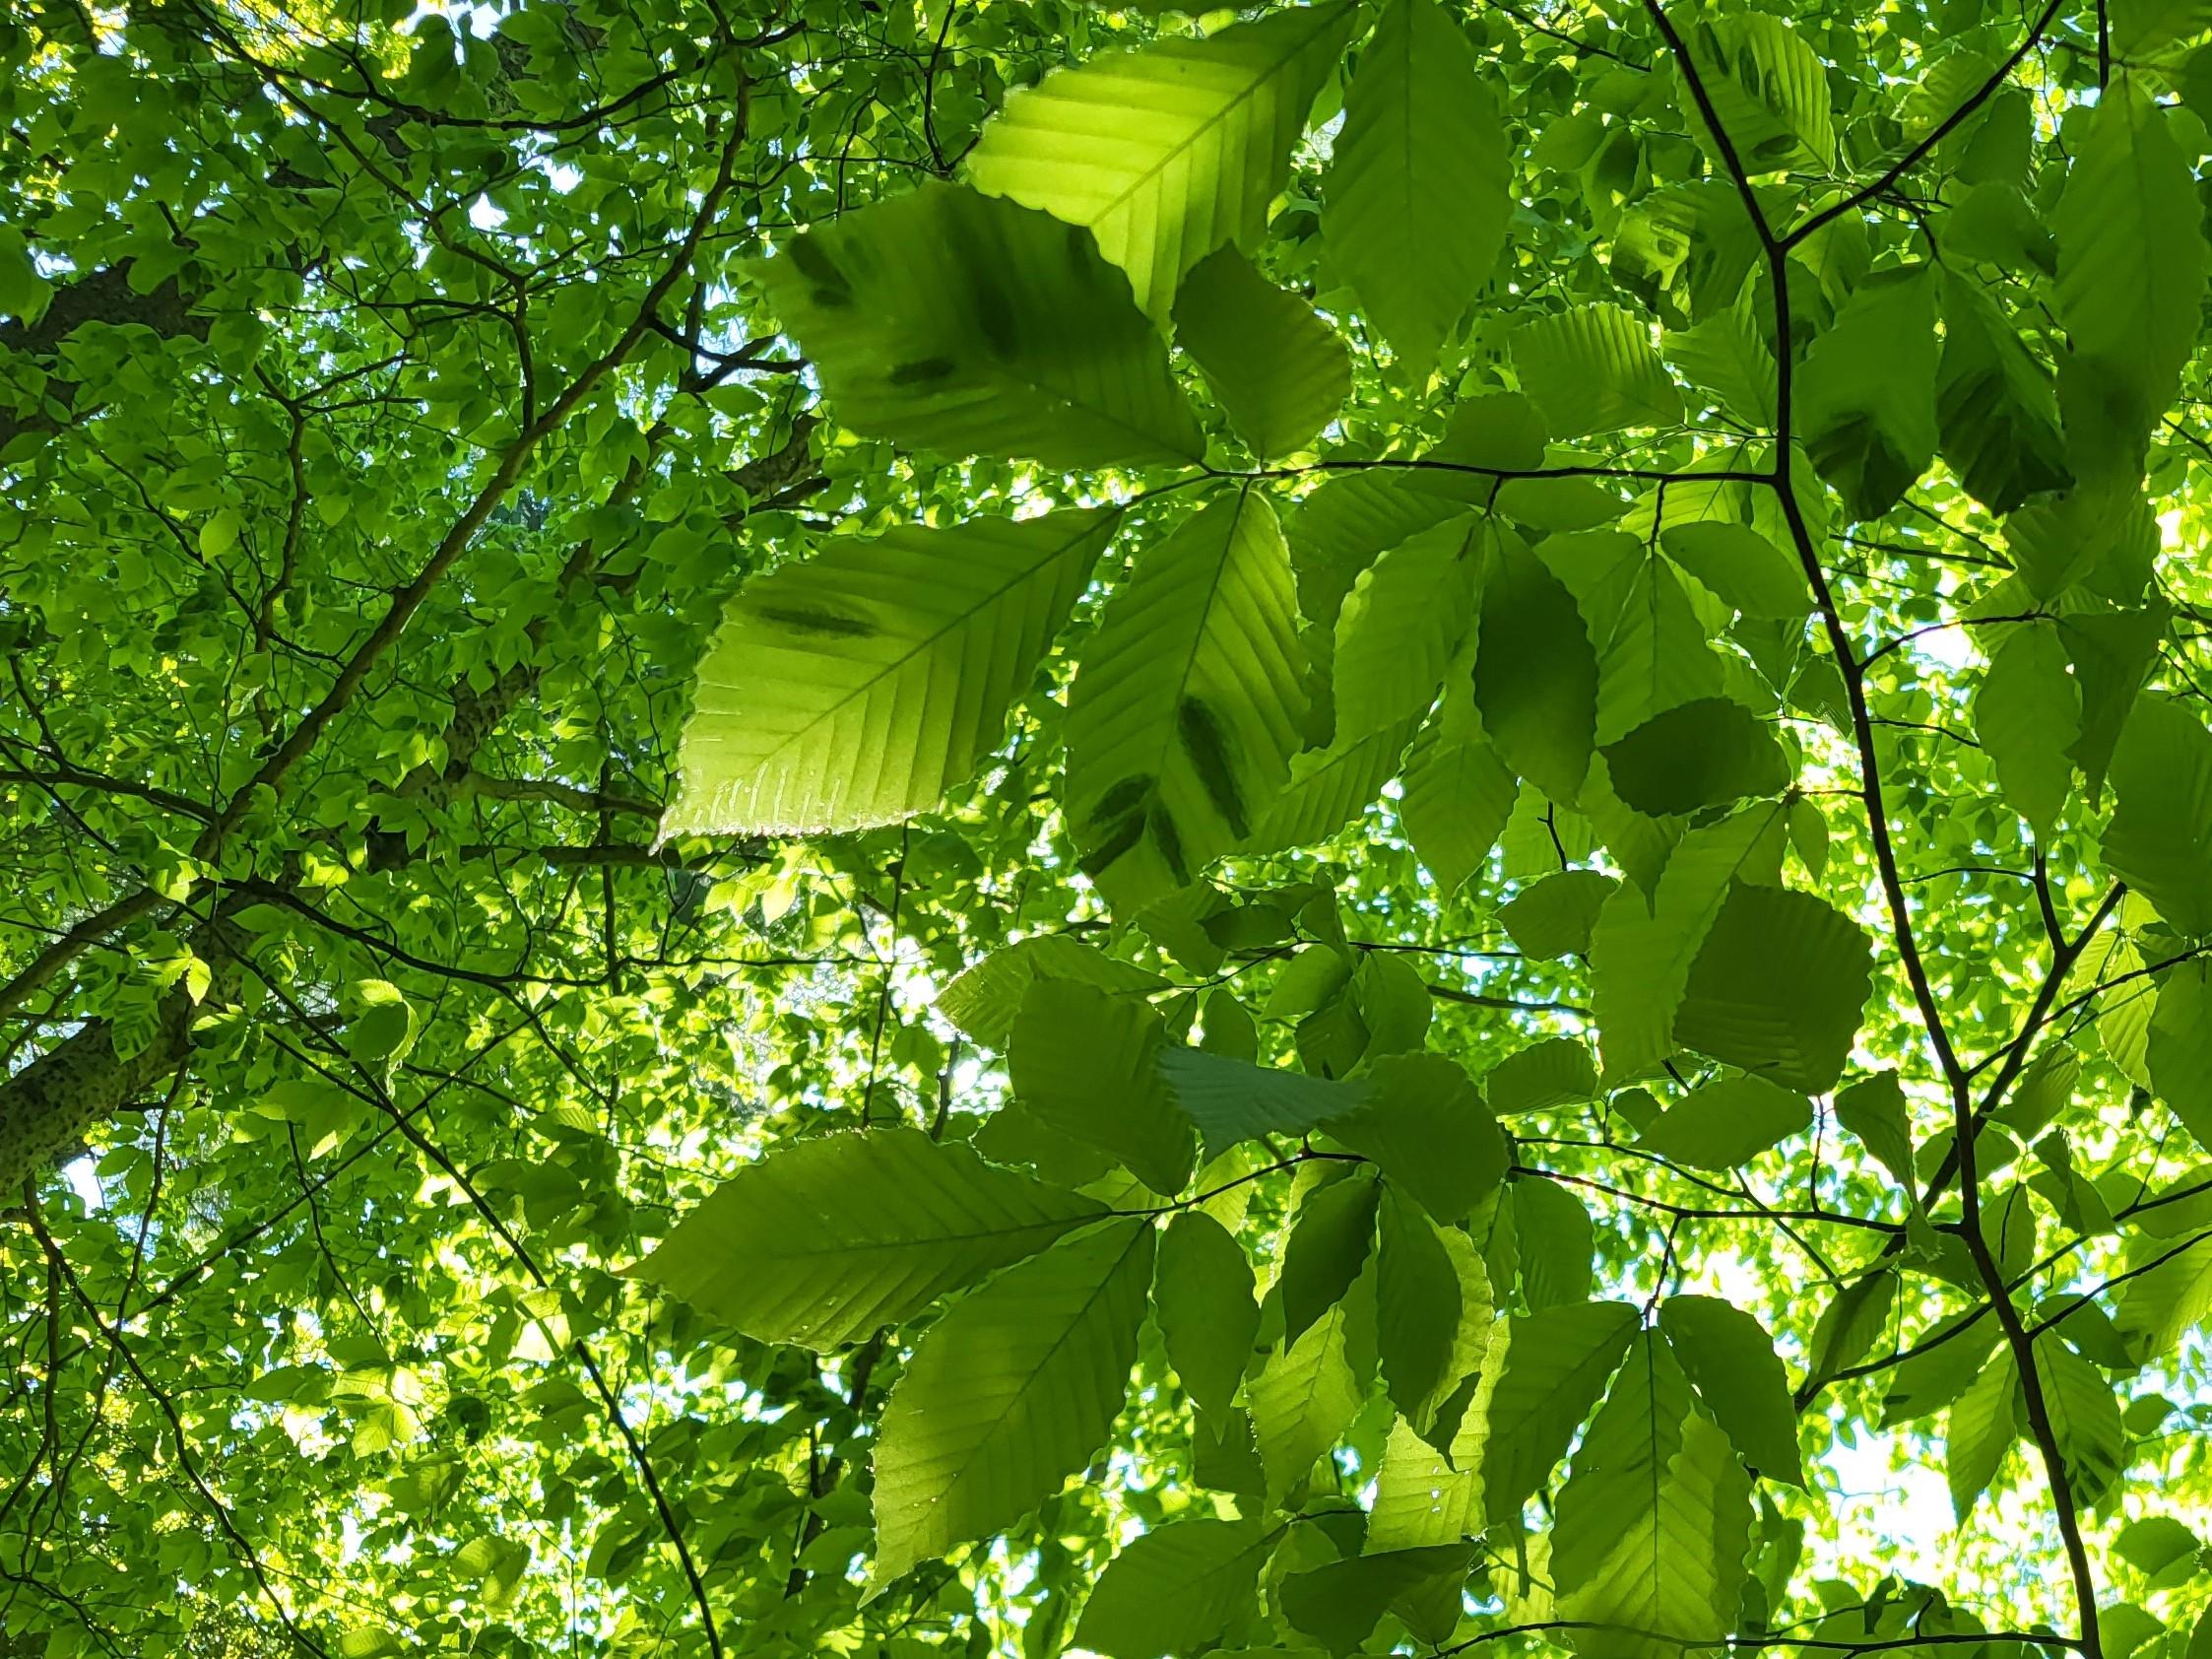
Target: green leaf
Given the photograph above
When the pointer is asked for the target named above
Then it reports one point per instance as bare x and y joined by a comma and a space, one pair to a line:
1554, 917
1724, 1124
1641, 950
2157, 1546
1304, 1398
1327, 1250
1551, 1073
1544, 1373
1942, 1366
1655, 1521
1416, 1303
1697, 755
1280, 372
2132, 270
1187, 707
984, 1000
1997, 411
1086, 1063
2111, 654
1742, 566
2160, 837
1553, 1230
1167, 152
1873, 1110
1595, 370
1651, 651
823, 1241
2028, 715
2181, 1046
1341, 1604
1731, 1361
1779, 987
1981, 1427
1425, 1126
1865, 393
1008, 1394
1416, 195
1207, 1312
2084, 1420
1176, 1589
1420, 1500
856, 687
1327, 788
1767, 89
2168, 1293
950, 321
1344, 525
1404, 617
1232, 1101
1535, 675
1458, 794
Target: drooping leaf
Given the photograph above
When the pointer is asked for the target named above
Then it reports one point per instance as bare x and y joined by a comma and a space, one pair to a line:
856, 687
1545, 1074
1873, 1110
1207, 1313
1415, 200
1997, 411
955, 322
1982, 1426
1416, 1303
1555, 1239
1185, 712
1402, 623
1341, 1603
826, 1241
1742, 566
1420, 1500
1167, 152
1327, 1247
2180, 1054
1008, 1394
1767, 89
1280, 371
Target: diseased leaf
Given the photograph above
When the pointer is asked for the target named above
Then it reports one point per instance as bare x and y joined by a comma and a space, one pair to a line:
955, 322
858, 686
1165, 153
1185, 713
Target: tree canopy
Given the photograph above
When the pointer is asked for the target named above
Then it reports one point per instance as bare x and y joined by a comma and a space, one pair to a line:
915, 827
